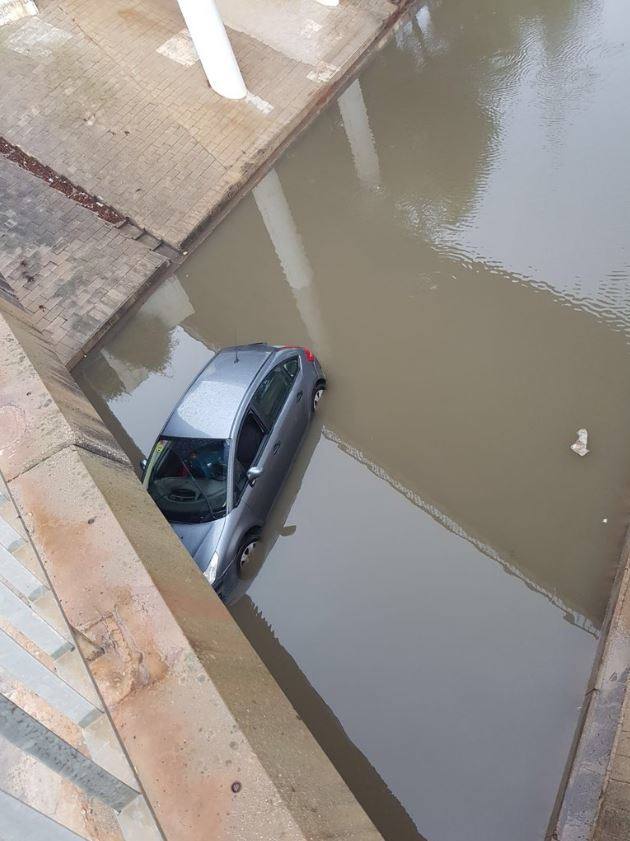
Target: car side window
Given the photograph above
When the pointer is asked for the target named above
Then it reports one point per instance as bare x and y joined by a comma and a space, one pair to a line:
248, 446
273, 391
292, 367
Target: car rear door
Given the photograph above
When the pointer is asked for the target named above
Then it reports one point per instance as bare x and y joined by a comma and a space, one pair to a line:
280, 403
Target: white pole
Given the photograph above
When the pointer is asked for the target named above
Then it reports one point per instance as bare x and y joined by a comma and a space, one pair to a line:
356, 123
213, 47
284, 235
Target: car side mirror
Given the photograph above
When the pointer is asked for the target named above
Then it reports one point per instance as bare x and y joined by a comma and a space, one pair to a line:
253, 473
143, 465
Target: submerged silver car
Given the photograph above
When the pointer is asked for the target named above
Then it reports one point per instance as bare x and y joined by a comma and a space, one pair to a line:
224, 452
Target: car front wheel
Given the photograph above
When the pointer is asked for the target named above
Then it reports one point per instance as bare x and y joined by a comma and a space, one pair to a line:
245, 554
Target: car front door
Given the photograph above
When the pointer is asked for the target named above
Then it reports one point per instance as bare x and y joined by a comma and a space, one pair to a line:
251, 446
275, 423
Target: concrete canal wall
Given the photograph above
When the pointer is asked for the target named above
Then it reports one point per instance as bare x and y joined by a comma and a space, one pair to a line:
216, 747
596, 802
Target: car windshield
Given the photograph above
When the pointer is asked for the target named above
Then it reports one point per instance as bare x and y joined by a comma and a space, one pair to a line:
187, 478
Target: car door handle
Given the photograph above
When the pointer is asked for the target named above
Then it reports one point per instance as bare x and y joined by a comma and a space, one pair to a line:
276, 447
300, 395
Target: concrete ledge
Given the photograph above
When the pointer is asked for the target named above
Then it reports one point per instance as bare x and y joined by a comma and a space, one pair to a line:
596, 802
42, 409
218, 749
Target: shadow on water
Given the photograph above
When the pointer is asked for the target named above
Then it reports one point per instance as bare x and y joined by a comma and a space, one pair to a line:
380, 804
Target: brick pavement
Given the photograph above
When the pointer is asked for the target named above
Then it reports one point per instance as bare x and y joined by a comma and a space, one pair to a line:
88, 89
70, 269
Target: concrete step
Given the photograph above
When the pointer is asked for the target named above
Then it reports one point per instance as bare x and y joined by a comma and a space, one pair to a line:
54, 736
20, 822
25, 732
19, 577
24, 619
9, 537
46, 684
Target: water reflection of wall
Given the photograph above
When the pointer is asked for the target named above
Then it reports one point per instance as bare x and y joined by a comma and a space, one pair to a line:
129, 355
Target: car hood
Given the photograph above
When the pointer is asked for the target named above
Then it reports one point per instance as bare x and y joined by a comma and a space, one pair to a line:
192, 535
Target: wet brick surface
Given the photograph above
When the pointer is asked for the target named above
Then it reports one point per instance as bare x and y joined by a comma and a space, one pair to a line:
70, 269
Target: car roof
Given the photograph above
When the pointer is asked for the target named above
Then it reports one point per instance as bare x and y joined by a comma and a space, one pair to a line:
210, 405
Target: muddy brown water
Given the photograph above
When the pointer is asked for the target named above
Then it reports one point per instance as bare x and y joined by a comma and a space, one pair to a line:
438, 566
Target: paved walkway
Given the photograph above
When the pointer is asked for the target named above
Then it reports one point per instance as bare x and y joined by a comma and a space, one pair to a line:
70, 269
112, 96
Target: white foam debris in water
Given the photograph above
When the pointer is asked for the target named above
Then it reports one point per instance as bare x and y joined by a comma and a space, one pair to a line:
180, 48
259, 102
37, 39
581, 445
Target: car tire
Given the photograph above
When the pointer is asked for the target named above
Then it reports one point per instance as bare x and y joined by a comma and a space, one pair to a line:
318, 393
245, 552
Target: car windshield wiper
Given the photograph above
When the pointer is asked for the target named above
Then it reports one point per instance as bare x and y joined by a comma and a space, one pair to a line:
212, 510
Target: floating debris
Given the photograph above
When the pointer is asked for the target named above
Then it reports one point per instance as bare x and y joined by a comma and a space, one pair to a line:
581, 445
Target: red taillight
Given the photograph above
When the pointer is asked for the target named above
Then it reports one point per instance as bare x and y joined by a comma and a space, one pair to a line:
308, 353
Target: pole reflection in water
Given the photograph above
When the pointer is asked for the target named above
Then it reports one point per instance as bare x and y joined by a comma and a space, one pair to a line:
276, 214
357, 127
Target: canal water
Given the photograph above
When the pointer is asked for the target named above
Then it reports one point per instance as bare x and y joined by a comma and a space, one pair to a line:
452, 240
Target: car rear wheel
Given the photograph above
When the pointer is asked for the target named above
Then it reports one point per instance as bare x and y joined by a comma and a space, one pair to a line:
318, 393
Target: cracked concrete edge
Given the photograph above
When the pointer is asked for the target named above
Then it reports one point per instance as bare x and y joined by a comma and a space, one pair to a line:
607, 714
192, 703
